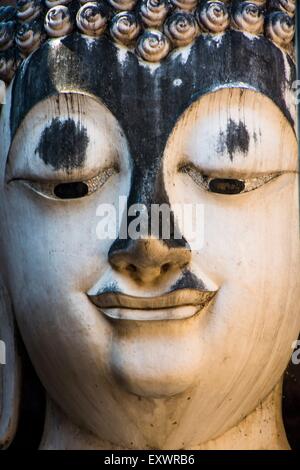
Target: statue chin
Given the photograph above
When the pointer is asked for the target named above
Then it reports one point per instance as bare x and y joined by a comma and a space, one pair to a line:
157, 363
151, 385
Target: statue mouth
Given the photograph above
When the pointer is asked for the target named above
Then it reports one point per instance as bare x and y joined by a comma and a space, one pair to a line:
175, 305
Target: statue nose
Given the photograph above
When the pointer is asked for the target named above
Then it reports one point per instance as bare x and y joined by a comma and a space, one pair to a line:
148, 260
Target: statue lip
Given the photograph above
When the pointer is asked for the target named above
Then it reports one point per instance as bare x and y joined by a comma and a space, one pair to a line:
176, 304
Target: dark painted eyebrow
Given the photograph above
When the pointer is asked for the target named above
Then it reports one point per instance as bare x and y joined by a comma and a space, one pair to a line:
63, 144
235, 138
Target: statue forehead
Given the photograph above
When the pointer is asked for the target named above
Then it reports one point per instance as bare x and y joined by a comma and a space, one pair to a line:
148, 99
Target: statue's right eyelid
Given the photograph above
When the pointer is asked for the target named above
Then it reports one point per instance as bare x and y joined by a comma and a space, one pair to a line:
60, 190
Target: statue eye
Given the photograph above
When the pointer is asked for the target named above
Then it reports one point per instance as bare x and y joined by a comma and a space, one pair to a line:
226, 186
71, 189
229, 186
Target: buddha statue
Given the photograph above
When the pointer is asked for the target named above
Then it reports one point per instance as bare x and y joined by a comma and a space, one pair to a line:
150, 341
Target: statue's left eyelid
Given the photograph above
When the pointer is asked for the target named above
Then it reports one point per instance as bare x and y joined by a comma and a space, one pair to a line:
227, 185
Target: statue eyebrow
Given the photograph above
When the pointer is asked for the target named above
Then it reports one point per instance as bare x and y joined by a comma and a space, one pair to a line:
235, 138
63, 144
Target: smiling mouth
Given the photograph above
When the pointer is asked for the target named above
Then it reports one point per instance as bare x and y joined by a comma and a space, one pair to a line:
175, 305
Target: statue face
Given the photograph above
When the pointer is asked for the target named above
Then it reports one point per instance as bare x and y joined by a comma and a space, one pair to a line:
148, 338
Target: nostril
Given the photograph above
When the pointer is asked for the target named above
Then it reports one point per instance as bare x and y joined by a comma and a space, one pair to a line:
165, 267
131, 268
184, 265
